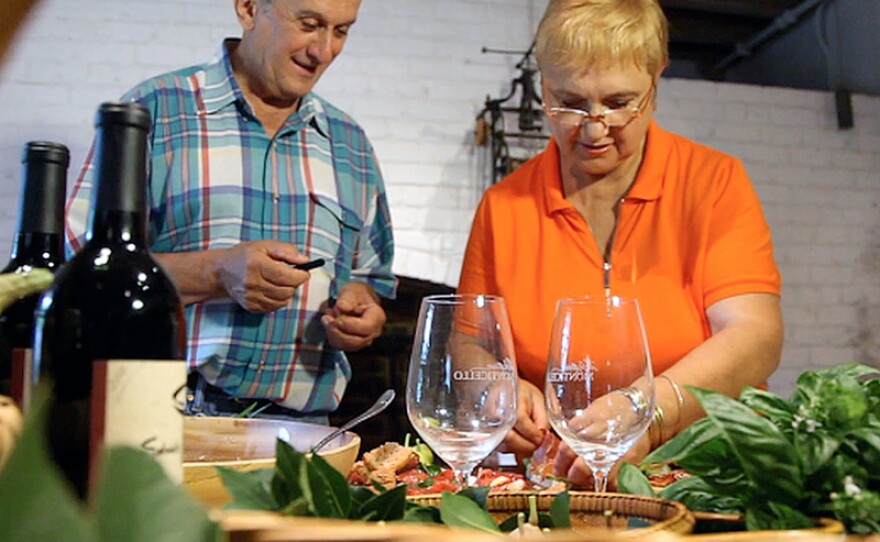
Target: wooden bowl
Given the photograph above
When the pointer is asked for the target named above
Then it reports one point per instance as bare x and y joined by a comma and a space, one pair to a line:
259, 526
248, 444
253, 526
626, 515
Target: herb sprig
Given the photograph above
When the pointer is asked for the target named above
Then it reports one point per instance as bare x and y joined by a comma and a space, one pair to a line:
303, 485
781, 462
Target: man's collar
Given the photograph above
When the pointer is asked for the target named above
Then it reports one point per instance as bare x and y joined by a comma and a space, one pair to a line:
311, 110
222, 90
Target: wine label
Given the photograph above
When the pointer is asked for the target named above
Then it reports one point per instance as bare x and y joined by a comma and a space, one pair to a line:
134, 403
22, 374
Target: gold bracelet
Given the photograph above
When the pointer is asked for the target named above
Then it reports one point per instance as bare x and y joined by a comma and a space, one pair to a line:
678, 396
636, 396
656, 426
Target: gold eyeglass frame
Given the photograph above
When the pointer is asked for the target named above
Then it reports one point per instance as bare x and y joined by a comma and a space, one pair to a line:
637, 112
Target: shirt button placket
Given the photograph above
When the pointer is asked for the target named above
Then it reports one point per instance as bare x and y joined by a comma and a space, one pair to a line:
276, 196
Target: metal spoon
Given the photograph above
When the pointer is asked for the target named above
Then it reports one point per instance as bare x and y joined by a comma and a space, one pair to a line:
381, 404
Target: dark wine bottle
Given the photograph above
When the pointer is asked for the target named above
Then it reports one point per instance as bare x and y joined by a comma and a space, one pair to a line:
38, 243
110, 332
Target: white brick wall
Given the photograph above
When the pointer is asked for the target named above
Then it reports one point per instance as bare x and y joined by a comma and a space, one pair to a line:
413, 74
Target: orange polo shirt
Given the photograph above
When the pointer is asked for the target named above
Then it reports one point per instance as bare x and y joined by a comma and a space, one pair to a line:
690, 232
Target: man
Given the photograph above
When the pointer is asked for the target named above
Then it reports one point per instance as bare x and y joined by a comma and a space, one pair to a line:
251, 173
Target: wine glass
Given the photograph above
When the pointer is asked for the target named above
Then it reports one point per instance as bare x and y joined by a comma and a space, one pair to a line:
599, 386
461, 390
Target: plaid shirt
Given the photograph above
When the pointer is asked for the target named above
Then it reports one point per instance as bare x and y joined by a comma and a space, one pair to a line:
217, 179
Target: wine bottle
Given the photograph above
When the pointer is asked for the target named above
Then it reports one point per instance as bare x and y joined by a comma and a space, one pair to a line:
38, 244
109, 333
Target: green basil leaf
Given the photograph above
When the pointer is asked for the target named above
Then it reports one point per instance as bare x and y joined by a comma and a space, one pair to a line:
858, 371
837, 396
697, 495
509, 524
687, 442
630, 479
560, 509
758, 445
775, 408
545, 521
386, 506
857, 511
288, 465
816, 447
806, 390
702, 451
867, 442
426, 456
137, 502
872, 388
326, 490
479, 495
459, 511
844, 401
36, 503
359, 495
832, 477
775, 516
297, 507
282, 492
421, 514
716, 463
250, 490
432, 470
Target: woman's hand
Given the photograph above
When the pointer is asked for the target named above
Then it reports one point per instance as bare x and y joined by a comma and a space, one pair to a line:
572, 467
531, 422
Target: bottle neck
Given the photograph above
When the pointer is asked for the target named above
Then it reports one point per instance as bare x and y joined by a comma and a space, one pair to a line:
30, 247
116, 226
119, 205
41, 206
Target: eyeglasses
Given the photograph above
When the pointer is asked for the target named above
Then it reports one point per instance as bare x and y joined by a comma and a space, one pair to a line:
610, 118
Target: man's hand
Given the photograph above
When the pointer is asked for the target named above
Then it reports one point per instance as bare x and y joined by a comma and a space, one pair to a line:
356, 319
257, 274
531, 422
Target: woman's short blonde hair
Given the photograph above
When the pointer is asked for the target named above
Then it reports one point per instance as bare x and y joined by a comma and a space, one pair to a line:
577, 34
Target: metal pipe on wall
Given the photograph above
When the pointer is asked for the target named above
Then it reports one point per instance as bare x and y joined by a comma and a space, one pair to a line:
780, 23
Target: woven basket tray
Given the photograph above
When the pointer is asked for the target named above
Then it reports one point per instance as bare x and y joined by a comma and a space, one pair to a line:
589, 510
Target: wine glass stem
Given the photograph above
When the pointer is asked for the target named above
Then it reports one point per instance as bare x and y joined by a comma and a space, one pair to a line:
600, 481
462, 476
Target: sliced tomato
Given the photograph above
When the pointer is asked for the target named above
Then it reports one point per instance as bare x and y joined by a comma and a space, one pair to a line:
355, 478
412, 477
418, 482
498, 479
438, 487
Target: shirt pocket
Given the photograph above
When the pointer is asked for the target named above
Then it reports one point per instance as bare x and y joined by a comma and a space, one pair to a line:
336, 230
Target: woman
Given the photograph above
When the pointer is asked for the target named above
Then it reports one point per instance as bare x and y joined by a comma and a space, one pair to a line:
617, 203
